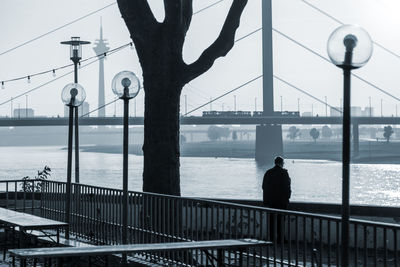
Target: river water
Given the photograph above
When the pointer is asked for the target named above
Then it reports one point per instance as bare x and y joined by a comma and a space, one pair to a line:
312, 180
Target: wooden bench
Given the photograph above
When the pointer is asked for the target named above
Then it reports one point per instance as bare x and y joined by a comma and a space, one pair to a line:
105, 251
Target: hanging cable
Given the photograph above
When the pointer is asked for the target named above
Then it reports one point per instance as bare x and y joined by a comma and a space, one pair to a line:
56, 29
340, 22
53, 70
59, 77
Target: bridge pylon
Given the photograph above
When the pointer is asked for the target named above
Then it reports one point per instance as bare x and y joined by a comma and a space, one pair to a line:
269, 143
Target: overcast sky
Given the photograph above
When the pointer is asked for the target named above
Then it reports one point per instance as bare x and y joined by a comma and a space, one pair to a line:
22, 20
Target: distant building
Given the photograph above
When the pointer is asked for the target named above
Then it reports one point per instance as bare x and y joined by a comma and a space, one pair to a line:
335, 111
82, 110
307, 114
23, 113
368, 112
355, 111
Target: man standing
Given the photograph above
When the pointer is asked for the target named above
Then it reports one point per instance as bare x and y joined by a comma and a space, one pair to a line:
276, 195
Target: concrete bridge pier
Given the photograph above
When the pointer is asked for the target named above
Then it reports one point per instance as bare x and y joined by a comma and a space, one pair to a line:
356, 140
269, 143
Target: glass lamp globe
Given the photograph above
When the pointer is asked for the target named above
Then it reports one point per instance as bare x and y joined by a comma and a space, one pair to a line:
125, 81
351, 39
73, 94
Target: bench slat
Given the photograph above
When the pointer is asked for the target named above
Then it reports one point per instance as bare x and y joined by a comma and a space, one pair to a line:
25, 220
117, 249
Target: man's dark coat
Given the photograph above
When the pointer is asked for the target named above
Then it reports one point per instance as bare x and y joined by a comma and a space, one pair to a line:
276, 188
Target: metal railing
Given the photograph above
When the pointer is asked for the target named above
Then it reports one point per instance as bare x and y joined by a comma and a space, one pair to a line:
299, 238
21, 195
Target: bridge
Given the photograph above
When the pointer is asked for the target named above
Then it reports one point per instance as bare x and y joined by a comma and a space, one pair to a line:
269, 132
195, 120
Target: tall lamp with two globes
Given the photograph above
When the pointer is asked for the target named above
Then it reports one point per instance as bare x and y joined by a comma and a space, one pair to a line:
73, 95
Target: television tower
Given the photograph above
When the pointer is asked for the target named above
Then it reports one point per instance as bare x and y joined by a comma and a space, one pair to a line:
101, 47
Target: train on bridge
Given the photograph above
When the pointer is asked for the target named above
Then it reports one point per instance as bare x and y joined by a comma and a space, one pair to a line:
241, 114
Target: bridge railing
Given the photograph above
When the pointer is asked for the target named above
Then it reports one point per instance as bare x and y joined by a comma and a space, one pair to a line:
300, 239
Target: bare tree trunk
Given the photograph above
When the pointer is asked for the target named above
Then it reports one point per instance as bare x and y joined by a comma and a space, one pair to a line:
161, 134
159, 47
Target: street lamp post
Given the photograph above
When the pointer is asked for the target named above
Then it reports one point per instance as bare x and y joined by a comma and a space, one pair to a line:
125, 86
73, 96
76, 55
349, 47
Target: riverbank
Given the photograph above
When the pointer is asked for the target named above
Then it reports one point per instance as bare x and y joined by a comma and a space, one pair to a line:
370, 152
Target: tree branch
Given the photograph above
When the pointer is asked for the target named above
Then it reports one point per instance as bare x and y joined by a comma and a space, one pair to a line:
137, 15
221, 46
178, 13
171, 8
187, 12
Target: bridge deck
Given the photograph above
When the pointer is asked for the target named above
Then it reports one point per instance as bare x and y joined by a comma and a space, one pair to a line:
8, 122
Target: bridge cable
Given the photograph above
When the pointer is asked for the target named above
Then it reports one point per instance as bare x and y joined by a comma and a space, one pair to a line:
293, 86
326, 59
207, 7
342, 23
247, 35
240, 86
56, 29
237, 40
306, 93
100, 107
227, 93
256, 78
